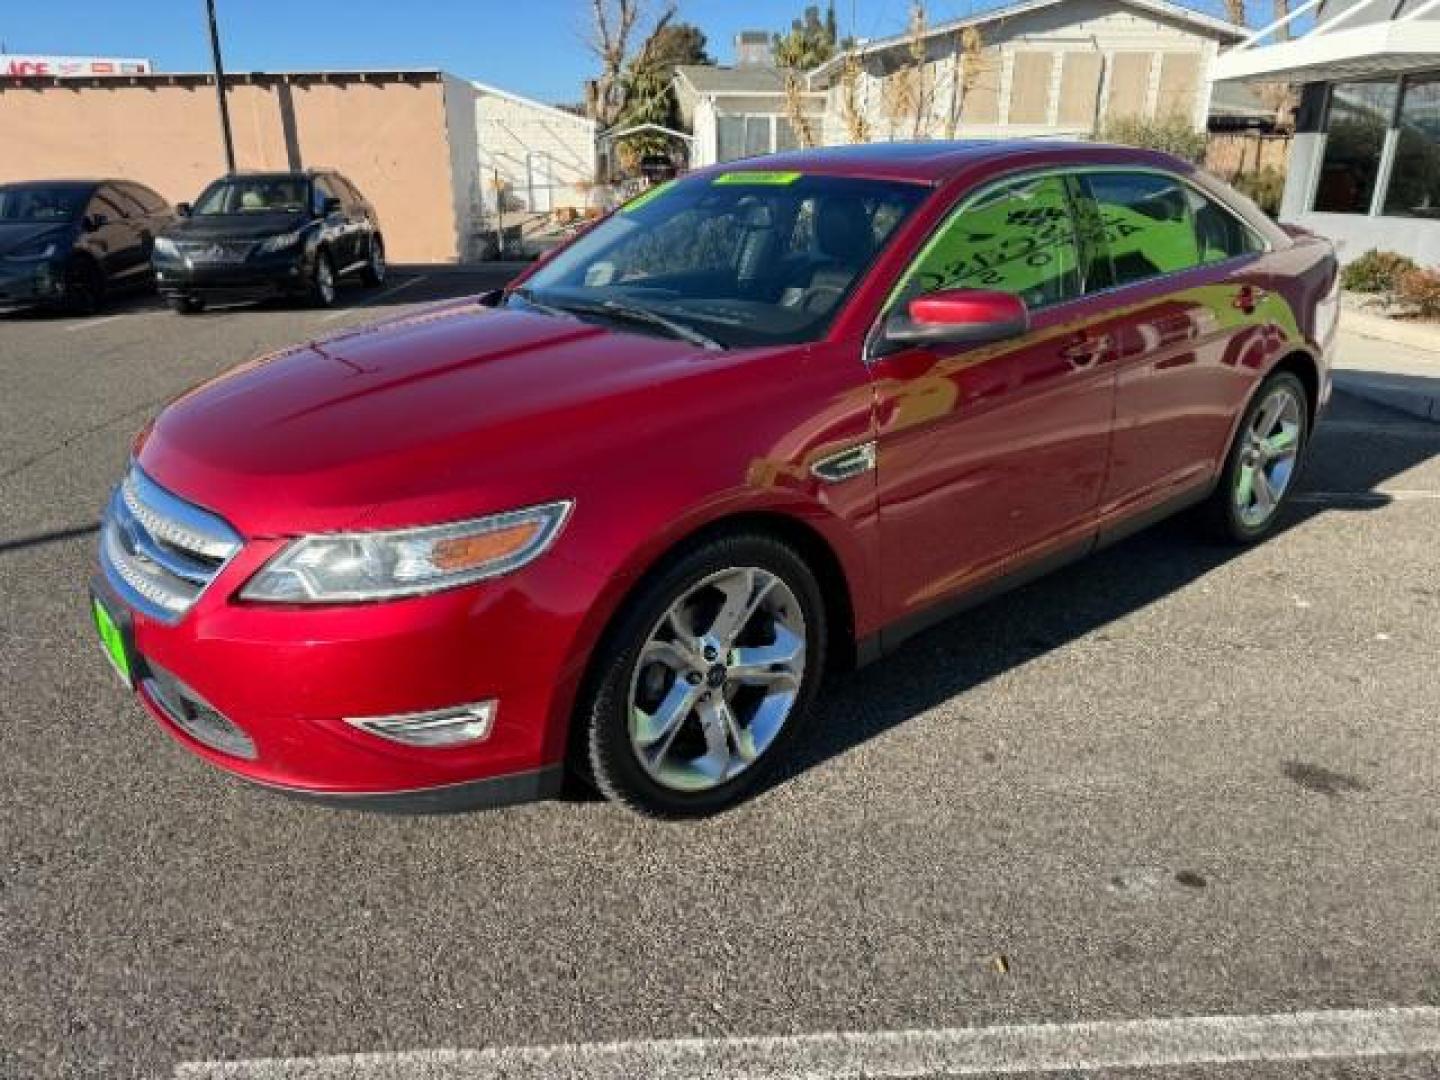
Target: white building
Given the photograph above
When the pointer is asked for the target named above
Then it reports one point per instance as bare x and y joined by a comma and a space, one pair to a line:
1365, 167
1046, 68
542, 156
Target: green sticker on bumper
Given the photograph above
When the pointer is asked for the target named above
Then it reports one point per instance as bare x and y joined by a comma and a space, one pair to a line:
770, 179
111, 638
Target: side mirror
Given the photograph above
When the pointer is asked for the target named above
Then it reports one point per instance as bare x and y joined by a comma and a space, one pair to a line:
94, 222
182, 209
959, 317
332, 205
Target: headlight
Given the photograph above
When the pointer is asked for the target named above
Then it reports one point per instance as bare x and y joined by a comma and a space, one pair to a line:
166, 247
348, 567
281, 242
36, 252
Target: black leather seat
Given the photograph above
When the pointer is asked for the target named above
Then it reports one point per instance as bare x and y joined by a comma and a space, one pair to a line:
845, 242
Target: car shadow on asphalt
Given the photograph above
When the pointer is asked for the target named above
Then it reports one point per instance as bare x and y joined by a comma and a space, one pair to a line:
1005, 633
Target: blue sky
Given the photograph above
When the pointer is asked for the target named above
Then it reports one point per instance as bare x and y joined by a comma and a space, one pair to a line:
532, 47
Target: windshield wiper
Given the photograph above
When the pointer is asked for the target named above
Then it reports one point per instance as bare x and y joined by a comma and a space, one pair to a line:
614, 309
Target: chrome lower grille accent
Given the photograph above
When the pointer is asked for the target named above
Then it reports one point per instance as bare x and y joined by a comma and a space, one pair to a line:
202, 251
194, 716
158, 551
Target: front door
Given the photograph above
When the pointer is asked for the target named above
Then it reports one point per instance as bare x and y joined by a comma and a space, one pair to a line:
992, 457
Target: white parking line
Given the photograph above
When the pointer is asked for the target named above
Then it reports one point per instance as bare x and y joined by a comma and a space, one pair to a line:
1378, 497
90, 324
340, 313
956, 1052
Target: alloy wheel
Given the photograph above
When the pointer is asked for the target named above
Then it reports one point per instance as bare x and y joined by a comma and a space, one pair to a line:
717, 679
325, 280
1268, 455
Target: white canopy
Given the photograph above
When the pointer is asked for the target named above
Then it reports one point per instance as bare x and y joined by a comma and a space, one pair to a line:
1358, 39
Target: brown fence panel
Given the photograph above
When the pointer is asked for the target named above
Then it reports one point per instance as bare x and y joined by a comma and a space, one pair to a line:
1244, 153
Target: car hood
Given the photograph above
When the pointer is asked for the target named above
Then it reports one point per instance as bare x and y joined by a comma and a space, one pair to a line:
234, 226
16, 234
450, 413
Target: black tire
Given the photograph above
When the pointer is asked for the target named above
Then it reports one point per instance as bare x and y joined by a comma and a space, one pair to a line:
186, 305
1220, 515
608, 757
84, 288
320, 294
372, 275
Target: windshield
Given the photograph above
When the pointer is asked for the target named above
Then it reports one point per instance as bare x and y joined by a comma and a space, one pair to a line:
254, 195
30, 203
742, 258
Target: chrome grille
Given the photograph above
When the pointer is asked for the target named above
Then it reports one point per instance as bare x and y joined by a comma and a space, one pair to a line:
217, 250
158, 551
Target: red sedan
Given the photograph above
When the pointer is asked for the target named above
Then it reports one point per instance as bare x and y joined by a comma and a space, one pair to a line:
778, 416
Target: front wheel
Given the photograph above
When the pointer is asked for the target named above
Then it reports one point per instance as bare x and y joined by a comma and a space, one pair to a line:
322, 281
706, 681
1263, 462
373, 274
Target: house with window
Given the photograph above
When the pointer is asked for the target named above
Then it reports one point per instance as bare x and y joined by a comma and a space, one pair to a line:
1365, 166
1038, 68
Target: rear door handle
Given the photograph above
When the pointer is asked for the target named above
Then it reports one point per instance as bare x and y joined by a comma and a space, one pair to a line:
1249, 298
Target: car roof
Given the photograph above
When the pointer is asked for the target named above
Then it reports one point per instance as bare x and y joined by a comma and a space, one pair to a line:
64, 182
935, 162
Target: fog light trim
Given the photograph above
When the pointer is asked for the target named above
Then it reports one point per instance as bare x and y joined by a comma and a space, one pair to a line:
460, 725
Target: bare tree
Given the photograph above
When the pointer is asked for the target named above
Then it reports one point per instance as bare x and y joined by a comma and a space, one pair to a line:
613, 24
1236, 10
918, 49
964, 74
857, 124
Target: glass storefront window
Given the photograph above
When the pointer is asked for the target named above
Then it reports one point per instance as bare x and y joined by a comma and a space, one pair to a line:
1360, 115
1414, 189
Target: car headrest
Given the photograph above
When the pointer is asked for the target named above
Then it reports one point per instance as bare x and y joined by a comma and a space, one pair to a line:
842, 230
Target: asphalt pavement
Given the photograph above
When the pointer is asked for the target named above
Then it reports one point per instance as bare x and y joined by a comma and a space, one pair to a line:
1174, 781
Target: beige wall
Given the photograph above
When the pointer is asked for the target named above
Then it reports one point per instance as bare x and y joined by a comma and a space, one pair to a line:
388, 137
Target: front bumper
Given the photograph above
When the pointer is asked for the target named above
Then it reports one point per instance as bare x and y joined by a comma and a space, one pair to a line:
255, 276
286, 678
26, 285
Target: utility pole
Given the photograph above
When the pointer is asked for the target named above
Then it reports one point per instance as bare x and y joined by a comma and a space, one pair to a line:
220, 88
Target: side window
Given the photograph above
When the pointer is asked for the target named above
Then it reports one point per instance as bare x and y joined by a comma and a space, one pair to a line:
1222, 235
1148, 223
1017, 238
107, 203
151, 201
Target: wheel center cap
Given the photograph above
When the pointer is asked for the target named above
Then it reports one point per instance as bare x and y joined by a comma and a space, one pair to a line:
716, 676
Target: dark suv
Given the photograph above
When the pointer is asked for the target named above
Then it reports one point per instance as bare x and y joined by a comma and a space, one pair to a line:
253, 235
70, 243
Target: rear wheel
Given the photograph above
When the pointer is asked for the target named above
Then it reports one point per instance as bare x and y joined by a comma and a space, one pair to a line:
1263, 462
84, 288
322, 281
707, 680
374, 272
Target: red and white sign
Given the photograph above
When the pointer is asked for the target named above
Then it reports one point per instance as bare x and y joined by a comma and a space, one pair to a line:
72, 66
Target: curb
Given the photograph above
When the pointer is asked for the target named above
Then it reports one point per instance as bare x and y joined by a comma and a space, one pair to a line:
510, 267
1414, 395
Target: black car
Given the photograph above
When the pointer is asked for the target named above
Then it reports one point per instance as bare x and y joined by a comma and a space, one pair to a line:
70, 243
252, 235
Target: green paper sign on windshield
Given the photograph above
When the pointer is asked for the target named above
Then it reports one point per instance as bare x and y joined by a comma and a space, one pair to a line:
757, 178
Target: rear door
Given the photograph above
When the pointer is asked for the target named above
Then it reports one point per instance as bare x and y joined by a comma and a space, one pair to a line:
991, 458
116, 244
1176, 266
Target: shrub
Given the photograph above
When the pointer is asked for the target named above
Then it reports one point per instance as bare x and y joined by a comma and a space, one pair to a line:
1174, 135
1266, 187
1420, 289
1376, 272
